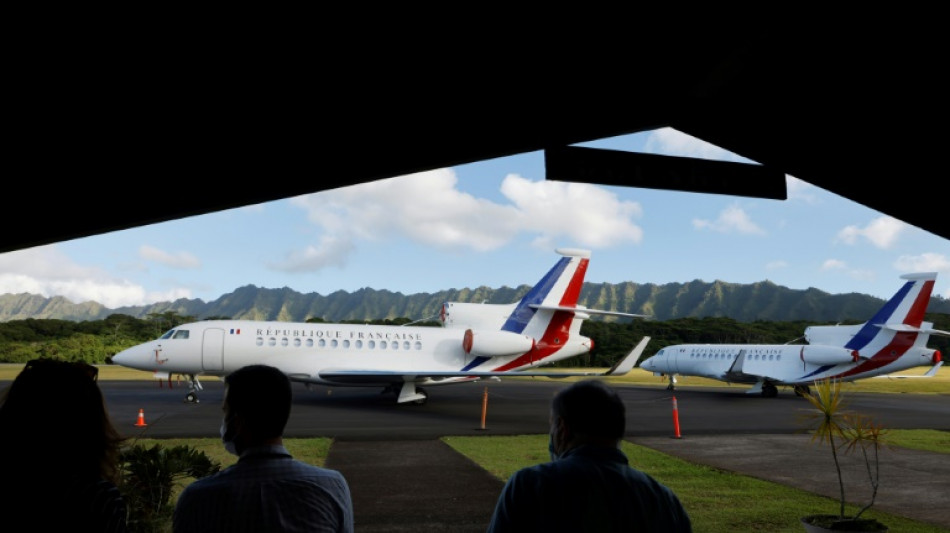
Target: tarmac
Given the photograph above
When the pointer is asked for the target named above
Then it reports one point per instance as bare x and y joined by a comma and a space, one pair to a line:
424, 485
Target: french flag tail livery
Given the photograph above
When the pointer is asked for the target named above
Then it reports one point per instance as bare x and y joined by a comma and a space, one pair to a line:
894, 339
475, 341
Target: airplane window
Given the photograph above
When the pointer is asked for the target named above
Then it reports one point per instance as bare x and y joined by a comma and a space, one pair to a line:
359, 344
346, 343
297, 342
284, 341
181, 334
309, 343
418, 345
382, 345
405, 345
168, 334
771, 357
333, 343
272, 341
395, 345
371, 344
322, 343
260, 341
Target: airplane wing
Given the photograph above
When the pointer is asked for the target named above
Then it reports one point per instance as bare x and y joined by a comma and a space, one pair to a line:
363, 376
929, 374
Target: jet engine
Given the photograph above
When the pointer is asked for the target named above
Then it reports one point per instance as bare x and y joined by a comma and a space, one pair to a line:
828, 355
496, 343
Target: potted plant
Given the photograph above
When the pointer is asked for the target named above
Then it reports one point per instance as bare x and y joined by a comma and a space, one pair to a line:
844, 432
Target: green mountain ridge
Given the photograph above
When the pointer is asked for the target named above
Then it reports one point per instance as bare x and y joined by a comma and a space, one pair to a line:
697, 299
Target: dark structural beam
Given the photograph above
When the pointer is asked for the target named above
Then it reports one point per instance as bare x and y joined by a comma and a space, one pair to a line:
651, 171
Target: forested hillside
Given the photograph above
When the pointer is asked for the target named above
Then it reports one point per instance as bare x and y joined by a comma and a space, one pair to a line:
698, 299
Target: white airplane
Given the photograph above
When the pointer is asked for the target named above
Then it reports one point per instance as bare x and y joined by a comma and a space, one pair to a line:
476, 341
894, 339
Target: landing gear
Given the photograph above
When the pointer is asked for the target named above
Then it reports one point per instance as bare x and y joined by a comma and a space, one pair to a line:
193, 387
408, 393
672, 385
765, 388
802, 391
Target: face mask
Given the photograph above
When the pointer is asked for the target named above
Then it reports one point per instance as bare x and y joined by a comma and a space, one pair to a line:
228, 443
551, 451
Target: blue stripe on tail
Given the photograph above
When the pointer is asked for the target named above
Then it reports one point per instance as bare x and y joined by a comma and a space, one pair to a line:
871, 329
523, 314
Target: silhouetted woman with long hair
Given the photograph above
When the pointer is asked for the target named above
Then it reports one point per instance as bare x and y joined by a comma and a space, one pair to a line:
60, 452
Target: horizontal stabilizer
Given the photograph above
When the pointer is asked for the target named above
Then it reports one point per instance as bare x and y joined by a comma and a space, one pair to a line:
582, 309
904, 328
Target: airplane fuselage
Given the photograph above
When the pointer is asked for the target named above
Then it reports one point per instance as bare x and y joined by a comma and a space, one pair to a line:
782, 364
308, 351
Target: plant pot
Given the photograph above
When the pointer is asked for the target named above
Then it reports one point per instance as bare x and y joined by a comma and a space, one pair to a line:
824, 523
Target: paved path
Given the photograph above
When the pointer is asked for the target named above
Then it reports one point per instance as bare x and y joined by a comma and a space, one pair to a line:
414, 485
425, 486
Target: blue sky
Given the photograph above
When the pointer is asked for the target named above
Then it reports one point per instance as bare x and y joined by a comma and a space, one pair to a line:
491, 223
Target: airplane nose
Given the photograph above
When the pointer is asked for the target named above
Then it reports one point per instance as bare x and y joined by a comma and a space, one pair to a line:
131, 358
121, 358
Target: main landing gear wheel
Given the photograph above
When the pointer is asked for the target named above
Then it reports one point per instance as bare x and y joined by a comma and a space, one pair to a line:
802, 391
193, 388
424, 399
769, 391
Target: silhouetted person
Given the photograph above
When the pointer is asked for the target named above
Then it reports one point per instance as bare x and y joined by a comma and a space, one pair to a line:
60, 452
588, 484
267, 489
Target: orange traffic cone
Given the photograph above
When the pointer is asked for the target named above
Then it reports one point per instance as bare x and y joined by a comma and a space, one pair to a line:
141, 421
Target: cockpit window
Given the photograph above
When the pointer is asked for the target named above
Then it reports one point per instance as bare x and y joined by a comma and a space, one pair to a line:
181, 334
168, 334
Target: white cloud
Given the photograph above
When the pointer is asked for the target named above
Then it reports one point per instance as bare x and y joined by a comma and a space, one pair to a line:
776, 265
183, 260
425, 207
834, 264
668, 141
926, 262
428, 208
591, 216
800, 190
47, 272
881, 232
732, 219
330, 252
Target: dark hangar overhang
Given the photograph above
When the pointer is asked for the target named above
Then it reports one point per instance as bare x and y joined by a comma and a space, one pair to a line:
160, 140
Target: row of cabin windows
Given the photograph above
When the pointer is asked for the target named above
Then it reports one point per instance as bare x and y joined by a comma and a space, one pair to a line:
753, 357
358, 344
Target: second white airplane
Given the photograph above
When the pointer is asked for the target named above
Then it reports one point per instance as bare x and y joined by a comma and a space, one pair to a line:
476, 341
894, 339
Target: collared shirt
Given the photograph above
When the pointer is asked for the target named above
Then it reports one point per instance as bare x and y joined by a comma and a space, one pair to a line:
266, 490
589, 488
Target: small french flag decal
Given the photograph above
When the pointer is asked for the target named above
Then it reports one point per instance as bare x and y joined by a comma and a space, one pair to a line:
235, 331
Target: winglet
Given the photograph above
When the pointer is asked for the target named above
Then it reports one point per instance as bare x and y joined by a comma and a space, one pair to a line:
627, 363
933, 370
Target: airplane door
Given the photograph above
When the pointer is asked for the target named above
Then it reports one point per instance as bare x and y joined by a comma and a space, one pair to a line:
212, 349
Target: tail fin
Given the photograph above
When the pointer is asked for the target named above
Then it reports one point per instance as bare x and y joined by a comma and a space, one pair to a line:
557, 291
903, 313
